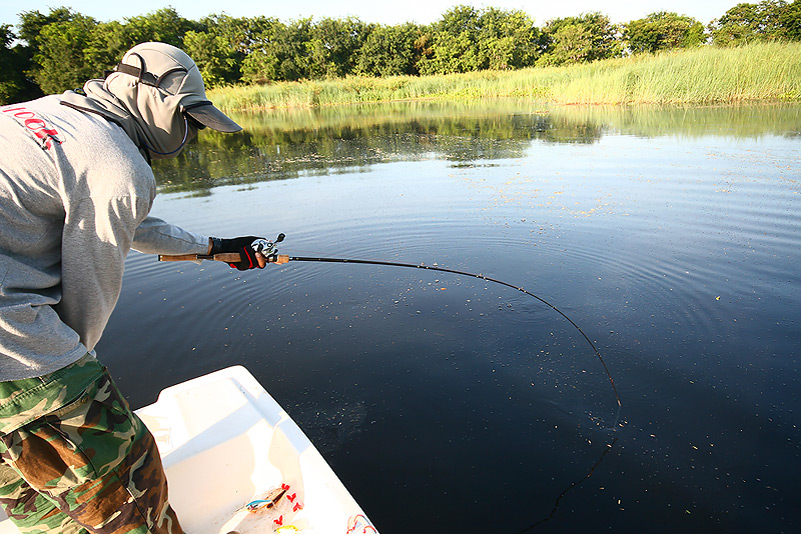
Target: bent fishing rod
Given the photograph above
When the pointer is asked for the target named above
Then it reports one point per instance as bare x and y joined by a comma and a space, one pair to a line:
268, 249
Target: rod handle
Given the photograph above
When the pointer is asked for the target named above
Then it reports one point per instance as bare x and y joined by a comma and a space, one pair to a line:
228, 257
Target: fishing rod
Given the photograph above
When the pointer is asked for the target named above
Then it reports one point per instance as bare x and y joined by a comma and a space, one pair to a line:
268, 249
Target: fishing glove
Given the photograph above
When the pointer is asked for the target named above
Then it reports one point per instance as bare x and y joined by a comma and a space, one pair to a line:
240, 245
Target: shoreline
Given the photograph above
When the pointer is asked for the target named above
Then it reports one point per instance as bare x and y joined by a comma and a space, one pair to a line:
756, 73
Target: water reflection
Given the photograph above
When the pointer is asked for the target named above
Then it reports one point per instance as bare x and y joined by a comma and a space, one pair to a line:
671, 236
285, 144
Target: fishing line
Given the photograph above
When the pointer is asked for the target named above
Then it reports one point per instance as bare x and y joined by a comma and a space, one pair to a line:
574, 484
570, 487
268, 250
480, 277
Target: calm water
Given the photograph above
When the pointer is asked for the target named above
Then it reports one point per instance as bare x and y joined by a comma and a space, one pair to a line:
451, 404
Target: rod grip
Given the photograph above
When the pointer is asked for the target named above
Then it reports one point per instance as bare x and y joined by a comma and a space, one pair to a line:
228, 257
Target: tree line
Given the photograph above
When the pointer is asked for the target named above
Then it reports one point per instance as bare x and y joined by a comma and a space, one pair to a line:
60, 50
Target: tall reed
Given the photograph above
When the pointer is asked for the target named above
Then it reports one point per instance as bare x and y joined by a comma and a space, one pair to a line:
757, 72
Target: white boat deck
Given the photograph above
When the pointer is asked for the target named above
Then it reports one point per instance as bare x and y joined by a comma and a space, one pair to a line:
225, 442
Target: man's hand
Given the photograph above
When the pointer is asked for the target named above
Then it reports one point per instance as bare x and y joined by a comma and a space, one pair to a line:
250, 259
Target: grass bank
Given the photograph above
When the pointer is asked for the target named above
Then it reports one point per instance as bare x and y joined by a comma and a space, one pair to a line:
757, 72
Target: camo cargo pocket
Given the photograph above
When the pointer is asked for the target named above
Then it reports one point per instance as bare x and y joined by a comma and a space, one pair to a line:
79, 442
24, 401
97, 461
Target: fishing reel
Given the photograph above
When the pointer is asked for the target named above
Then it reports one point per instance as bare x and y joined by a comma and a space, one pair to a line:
268, 248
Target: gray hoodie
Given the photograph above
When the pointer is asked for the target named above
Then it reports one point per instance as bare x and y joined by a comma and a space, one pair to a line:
75, 193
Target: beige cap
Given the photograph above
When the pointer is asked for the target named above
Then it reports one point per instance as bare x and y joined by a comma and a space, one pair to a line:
169, 69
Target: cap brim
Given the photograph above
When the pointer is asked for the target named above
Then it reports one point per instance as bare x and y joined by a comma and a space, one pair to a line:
213, 118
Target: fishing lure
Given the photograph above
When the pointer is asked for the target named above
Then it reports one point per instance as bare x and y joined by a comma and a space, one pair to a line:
269, 501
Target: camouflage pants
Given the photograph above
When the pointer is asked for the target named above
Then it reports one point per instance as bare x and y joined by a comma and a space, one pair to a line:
74, 459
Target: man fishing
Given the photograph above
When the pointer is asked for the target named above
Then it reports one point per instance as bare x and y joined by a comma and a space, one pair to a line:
76, 188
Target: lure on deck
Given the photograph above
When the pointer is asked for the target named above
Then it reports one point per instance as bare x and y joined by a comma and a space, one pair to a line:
270, 500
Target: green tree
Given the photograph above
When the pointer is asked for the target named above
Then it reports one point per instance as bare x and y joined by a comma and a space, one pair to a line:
746, 23
790, 20
662, 31
292, 50
506, 39
571, 43
454, 42
468, 39
214, 56
558, 42
12, 82
28, 32
335, 44
111, 40
60, 60
220, 51
389, 51
67, 48
241, 33
164, 25
32, 23
260, 46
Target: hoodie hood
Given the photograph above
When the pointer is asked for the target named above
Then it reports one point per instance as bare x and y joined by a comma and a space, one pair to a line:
152, 94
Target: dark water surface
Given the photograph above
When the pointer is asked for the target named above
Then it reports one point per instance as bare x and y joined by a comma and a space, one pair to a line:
450, 404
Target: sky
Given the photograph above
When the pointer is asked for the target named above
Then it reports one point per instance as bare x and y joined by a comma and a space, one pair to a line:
378, 11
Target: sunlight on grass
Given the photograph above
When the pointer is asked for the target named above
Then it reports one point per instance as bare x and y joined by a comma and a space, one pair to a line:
757, 72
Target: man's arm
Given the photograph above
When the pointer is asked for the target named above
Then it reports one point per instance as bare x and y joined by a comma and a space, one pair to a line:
155, 236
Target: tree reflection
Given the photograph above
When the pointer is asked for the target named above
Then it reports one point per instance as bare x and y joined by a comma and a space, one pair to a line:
285, 144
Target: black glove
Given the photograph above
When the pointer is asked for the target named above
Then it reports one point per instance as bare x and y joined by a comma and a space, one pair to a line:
240, 245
